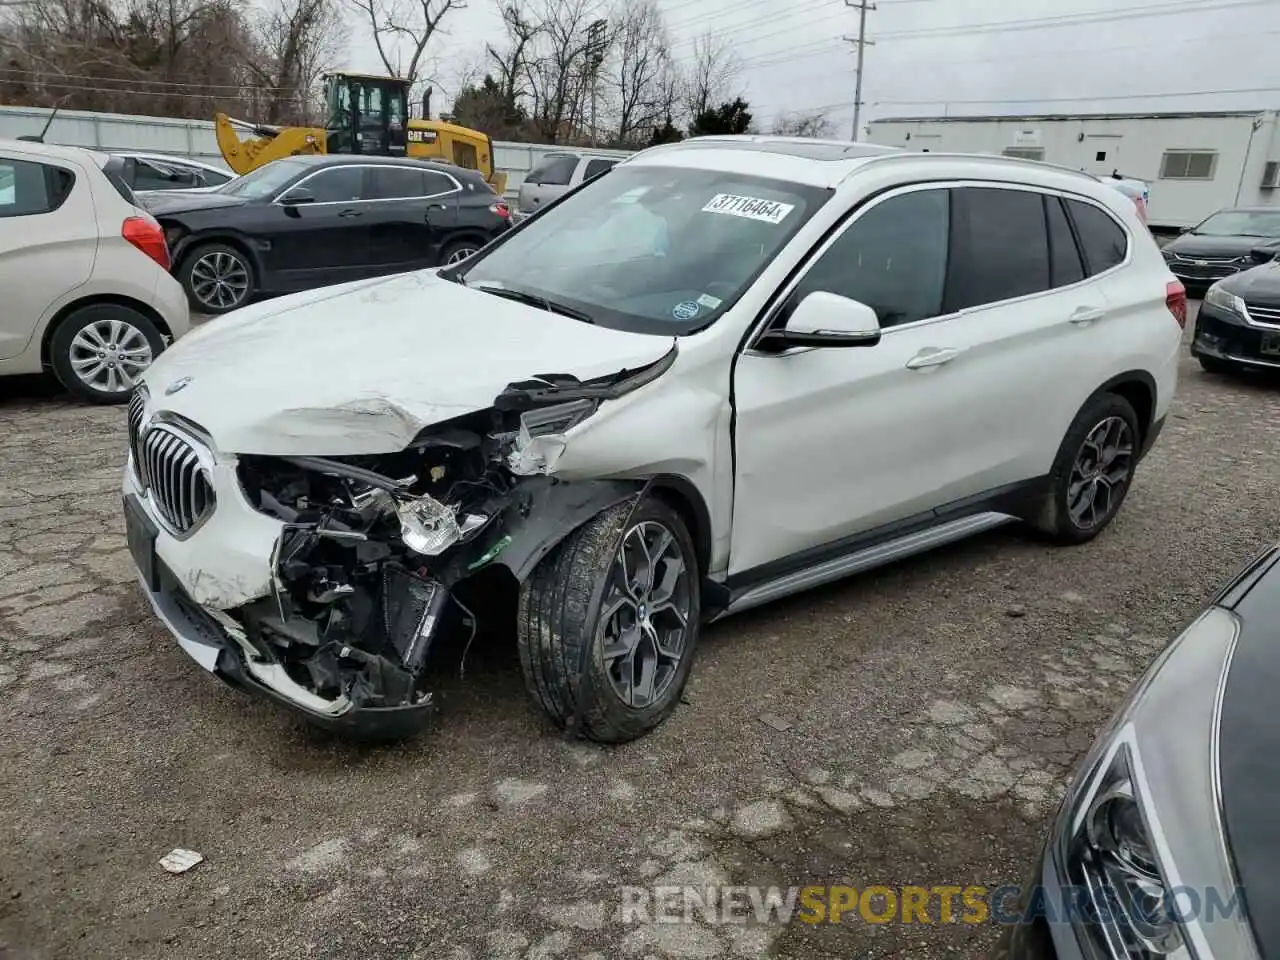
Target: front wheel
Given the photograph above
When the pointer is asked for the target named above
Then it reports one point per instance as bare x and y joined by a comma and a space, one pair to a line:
217, 278
613, 668
1093, 471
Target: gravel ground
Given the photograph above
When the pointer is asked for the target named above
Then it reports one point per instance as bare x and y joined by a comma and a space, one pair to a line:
912, 726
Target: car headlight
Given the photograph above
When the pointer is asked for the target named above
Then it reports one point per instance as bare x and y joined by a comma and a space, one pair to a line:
1139, 842
1220, 298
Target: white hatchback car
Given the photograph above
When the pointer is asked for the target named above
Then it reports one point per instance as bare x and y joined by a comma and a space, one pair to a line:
725, 371
85, 273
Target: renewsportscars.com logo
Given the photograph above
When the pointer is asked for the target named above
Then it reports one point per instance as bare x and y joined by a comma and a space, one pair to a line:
973, 904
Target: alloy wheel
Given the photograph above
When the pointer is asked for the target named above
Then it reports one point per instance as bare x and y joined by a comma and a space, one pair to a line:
1101, 469
462, 253
644, 619
220, 280
109, 355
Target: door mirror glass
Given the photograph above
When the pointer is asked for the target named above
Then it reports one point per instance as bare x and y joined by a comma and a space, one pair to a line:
297, 196
824, 319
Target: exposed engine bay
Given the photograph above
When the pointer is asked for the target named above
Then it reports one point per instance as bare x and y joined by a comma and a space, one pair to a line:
373, 547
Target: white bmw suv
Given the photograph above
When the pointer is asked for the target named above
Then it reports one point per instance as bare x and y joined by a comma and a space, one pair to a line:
725, 371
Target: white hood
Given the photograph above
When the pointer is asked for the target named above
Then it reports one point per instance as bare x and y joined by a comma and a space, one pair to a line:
362, 367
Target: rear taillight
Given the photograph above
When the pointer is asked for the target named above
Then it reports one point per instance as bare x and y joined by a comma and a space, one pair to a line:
1175, 298
501, 209
145, 234
1142, 208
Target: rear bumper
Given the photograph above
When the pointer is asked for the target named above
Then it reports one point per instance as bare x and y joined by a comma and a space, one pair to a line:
1222, 335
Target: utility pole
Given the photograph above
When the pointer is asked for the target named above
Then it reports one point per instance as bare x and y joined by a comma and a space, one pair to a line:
597, 41
860, 42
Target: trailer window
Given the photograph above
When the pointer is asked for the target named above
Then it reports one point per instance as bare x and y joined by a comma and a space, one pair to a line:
1188, 165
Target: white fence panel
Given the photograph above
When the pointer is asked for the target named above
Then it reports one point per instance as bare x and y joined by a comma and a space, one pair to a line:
194, 138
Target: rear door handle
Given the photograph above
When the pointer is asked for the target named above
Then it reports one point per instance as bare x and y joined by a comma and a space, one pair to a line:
1086, 315
350, 213
933, 357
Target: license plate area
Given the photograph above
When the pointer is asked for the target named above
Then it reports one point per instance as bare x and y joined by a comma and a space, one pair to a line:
1270, 344
141, 532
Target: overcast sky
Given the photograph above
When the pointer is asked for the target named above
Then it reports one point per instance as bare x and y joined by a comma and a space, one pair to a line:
935, 57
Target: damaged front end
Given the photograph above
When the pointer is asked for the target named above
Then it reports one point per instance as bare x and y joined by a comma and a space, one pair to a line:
373, 549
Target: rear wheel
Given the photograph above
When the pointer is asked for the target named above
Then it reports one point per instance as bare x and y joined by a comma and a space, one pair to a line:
459, 251
217, 278
99, 351
613, 668
1093, 471
1218, 365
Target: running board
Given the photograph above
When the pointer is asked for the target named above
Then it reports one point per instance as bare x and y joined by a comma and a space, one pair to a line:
882, 553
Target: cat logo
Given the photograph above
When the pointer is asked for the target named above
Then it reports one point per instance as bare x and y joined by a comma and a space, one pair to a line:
422, 136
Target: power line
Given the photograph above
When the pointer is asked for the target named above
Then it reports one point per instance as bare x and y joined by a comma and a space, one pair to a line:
37, 78
1025, 100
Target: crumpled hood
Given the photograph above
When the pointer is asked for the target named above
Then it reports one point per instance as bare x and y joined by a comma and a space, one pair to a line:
166, 202
363, 367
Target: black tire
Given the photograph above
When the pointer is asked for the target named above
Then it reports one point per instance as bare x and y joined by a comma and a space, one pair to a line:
207, 260
68, 349
1056, 519
563, 618
468, 247
1218, 365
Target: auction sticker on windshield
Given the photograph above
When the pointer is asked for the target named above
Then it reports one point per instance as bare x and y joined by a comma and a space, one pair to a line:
751, 208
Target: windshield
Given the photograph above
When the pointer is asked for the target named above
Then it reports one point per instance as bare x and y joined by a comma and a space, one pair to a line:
662, 250
264, 182
1241, 223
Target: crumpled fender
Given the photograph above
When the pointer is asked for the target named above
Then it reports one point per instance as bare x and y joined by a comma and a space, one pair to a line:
553, 510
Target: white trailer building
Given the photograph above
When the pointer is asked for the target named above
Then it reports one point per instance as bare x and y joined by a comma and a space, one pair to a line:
1195, 163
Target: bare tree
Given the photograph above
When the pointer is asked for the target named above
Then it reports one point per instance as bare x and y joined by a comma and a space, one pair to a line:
402, 30
295, 41
512, 63
559, 69
641, 75
811, 123
711, 74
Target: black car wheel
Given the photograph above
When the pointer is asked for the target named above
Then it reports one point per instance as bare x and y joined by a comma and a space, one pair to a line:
217, 278
1218, 365
459, 251
1092, 472
99, 351
609, 623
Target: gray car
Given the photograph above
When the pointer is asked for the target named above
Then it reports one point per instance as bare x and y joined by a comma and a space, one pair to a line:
556, 174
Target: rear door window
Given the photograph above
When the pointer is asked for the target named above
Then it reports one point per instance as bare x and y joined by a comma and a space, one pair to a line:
553, 171
28, 188
395, 183
999, 247
1103, 241
596, 167
1064, 255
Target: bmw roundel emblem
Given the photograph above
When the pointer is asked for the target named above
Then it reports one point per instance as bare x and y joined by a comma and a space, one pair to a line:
177, 385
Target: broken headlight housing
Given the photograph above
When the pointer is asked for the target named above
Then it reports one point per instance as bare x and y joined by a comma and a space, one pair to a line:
540, 439
1138, 850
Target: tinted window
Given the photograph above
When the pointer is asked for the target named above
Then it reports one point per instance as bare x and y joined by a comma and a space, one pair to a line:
1103, 241
438, 183
341, 184
999, 245
156, 175
390, 183
1064, 256
597, 167
214, 179
556, 171
28, 188
893, 258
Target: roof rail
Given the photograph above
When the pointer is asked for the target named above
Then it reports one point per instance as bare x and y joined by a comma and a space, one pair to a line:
986, 158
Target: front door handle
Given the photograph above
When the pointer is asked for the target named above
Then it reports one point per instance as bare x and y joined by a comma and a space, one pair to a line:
933, 357
350, 213
1082, 316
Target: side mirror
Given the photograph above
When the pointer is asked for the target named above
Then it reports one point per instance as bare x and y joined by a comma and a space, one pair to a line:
826, 320
1264, 254
300, 195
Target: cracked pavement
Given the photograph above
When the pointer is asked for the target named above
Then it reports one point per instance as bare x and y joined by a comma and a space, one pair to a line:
915, 725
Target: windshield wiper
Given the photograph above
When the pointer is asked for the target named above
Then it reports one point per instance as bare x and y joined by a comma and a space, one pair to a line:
537, 300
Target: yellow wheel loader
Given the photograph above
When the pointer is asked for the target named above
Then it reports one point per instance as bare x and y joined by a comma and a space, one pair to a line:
364, 115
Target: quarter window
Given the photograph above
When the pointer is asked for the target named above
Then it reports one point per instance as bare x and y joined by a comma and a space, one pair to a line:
436, 184
893, 258
1103, 241
1000, 247
28, 189
339, 185
597, 167
1064, 255
1188, 165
